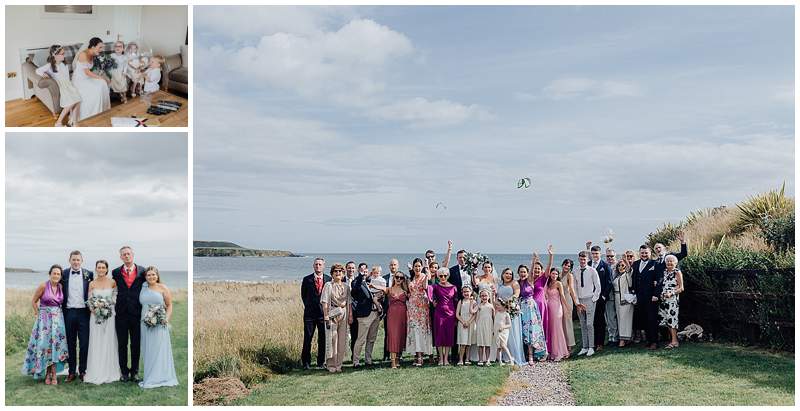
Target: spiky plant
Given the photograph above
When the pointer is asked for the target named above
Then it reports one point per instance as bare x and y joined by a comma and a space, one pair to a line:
753, 211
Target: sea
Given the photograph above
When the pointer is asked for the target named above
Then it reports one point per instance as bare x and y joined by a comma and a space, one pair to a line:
280, 269
175, 280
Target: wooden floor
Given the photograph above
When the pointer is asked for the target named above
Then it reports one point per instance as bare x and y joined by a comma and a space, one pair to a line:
33, 113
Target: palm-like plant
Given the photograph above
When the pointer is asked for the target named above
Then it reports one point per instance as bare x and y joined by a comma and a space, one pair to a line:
753, 211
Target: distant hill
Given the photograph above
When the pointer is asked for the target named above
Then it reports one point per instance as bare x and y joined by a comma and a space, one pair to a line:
228, 249
19, 270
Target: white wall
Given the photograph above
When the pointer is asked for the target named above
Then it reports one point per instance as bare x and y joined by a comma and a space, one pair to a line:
164, 28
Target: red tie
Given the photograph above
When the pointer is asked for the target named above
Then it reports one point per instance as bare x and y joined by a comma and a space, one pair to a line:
318, 283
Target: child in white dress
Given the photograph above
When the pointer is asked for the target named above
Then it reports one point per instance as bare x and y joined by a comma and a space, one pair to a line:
134, 70
483, 329
70, 98
465, 314
502, 328
119, 82
153, 75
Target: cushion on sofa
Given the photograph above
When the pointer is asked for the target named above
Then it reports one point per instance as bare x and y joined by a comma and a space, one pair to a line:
180, 75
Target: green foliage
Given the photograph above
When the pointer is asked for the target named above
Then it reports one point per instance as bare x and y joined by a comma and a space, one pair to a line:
778, 232
279, 359
18, 332
220, 367
727, 257
753, 211
665, 234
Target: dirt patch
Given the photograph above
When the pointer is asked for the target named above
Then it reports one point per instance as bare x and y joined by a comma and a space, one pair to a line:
218, 391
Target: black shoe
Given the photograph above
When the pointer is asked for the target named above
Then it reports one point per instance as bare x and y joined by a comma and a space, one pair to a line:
123, 377
306, 367
83, 374
134, 378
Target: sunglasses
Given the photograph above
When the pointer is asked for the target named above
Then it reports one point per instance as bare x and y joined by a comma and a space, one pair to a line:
399, 277
442, 276
430, 257
338, 271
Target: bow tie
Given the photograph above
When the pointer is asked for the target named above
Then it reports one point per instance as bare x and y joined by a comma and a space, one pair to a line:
75, 272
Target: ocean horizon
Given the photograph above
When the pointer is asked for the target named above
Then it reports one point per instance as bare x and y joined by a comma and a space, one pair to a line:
275, 269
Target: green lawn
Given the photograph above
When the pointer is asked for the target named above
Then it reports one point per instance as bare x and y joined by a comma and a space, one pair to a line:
23, 390
381, 385
693, 374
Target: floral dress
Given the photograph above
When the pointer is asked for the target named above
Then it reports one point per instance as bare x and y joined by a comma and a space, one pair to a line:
668, 308
532, 328
48, 343
419, 338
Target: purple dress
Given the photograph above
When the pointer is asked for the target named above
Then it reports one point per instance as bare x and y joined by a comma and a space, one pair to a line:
538, 296
444, 315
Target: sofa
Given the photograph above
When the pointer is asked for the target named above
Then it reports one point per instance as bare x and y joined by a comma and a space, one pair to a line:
175, 75
45, 89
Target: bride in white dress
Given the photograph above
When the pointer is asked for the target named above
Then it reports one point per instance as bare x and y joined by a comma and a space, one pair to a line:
93, 88
102, 366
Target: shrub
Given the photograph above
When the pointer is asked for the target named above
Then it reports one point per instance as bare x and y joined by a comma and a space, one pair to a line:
753, 211
779, 232
277, 358
225, 366
666, 234
18, 332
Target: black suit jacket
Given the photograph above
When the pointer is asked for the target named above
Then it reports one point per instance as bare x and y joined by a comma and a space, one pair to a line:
455, 279
128, 297
681, 255
606, 279
362, 297
87, 277
312, 310
647, 283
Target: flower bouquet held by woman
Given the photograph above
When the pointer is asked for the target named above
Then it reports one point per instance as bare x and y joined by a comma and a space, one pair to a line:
156, 315
101, 306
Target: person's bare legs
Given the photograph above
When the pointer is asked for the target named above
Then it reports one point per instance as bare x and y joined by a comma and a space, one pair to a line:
446, 355
61, 116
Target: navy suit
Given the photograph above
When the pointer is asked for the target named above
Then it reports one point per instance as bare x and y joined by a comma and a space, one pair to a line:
647, 283
127, 319
606, 286
76, 321
312, 319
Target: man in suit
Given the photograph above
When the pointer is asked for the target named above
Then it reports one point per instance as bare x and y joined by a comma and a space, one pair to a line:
646, 280
310, 292
662, 252
350, 275
611, 309
129, 278
364, 313
604, 273
75, 283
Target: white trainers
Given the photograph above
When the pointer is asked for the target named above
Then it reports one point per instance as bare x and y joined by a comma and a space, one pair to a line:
590, 352
583, 351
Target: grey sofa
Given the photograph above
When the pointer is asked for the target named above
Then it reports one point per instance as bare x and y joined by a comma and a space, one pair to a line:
46, 89
175, 76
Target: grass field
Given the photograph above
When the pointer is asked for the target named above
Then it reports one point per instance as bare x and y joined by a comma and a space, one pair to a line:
247, 331
23, 390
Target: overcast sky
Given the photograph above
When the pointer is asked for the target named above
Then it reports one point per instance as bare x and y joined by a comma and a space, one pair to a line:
340, 129
96, 192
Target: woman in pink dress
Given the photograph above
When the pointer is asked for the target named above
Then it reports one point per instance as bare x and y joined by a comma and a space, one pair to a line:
556, 302
539, 284
396, 318
444, 315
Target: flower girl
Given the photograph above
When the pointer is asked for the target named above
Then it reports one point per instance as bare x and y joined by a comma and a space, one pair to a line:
465, 314
119, 82
134, 70
153, 75
484, 325
70, 97
502, 328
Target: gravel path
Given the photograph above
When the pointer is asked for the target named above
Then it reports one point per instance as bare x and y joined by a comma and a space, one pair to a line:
538, 384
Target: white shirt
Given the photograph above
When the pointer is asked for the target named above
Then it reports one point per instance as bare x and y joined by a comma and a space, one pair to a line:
75, 297
590, 286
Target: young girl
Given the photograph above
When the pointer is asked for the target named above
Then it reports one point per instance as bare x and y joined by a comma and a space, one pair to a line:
134, 68
153, 74
465, 314
483, 328
502, 328
119, 83
58, 71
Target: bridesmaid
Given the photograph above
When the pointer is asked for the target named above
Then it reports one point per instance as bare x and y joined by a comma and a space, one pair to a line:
336, 311
507, 289
532, 330
396, 318
444, 296
623, 284
567, 279
103, 364
47, 348
419, 326
540, 278
159, 368
556, 304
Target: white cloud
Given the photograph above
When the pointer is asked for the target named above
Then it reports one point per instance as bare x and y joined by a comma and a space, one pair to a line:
589, 89
422, 112
241, 22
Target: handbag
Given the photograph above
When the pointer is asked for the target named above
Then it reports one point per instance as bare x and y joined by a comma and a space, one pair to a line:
628, 298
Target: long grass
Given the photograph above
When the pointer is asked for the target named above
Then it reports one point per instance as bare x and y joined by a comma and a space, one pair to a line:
23, 390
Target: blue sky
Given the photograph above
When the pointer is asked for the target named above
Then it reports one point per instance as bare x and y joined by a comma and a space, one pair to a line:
338, 129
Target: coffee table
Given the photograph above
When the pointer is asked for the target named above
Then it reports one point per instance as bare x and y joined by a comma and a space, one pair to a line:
138, 107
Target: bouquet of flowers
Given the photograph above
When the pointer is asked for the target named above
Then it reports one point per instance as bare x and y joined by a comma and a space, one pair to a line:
156, 315
103, 63
102, 307
474, 262
511, 305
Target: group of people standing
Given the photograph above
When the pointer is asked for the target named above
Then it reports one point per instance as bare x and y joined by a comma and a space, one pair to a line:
458, 318
68, 323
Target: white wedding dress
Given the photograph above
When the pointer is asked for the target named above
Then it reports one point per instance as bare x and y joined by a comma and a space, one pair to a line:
102, 366
95, 94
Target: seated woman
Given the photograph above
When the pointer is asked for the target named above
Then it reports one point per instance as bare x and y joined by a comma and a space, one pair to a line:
93, 88
47, 347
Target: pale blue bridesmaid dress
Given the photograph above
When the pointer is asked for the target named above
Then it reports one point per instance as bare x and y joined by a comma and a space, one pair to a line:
159, 368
